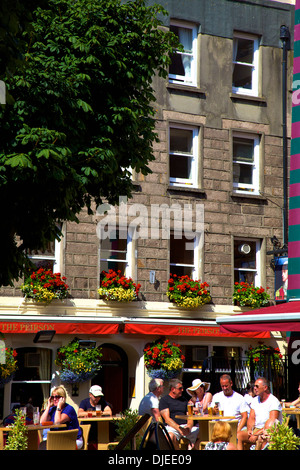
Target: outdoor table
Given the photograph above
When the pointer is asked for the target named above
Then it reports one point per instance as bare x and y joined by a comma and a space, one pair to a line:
293, 411
33, 433
204, 420
102, 428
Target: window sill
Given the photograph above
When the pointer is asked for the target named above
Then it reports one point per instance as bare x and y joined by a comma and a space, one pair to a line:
186, 191
185, 88
238, 96
257, 197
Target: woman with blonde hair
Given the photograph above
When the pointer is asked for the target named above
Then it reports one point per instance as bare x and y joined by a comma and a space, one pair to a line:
59, 412
220, 437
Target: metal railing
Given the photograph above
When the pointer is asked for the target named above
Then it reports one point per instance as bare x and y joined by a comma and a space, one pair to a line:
243, 369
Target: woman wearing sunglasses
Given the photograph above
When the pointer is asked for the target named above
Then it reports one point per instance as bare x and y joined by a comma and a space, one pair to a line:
59, 412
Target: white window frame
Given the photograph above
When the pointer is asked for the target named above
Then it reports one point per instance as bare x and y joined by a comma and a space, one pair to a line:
190, 80
56, 258
255, 186
192, 181
253, 91
258, 263
195, 267
128, 261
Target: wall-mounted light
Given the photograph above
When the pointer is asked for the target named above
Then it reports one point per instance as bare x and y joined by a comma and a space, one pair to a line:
44, 336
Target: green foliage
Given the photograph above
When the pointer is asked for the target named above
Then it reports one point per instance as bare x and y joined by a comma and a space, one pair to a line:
123, 426
187, 292
44, 286
82, 113
282, 437
247, 295
17, 437
78, 364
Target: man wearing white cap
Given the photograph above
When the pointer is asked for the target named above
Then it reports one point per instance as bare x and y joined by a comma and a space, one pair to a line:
95, 398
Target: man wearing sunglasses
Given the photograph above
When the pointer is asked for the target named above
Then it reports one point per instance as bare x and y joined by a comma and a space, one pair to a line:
265, 409
175, 404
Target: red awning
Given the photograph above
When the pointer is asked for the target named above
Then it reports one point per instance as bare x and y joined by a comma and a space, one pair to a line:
186, 330
282, 317
69, 328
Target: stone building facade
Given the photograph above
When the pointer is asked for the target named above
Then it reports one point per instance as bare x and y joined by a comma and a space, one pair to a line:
219, 163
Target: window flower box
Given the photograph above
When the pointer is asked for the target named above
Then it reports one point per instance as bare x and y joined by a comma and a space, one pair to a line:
186, 292
45, 286
115, 286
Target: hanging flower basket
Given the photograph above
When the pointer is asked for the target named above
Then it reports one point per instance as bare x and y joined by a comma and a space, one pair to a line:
246, 295
163, 359
261, 356
186, 292
8, 369
115, 286
78, 364
44, 286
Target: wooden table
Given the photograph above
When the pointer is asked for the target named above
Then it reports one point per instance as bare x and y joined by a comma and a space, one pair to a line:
33, 434
205, 429
102, 428
293, 411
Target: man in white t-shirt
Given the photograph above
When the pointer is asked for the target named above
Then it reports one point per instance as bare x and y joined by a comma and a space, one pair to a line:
231, 402
265, 410
150, 403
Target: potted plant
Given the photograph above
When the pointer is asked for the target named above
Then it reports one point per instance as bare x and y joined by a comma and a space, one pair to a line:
282, 436
18, 434
78, 364
9, 367
246, 295
186, 292
115, 286
44, 286
163, 359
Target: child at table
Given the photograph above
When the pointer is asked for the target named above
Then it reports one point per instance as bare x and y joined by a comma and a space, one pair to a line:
220, 437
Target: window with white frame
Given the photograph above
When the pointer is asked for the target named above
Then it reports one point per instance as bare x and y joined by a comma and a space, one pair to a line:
245, 64
247, 263
47, 258
116, 253
183, 155
183, 69
184, 255
245, 158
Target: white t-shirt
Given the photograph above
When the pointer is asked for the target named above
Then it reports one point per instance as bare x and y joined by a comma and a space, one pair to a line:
262, 409
233, 405
248, 400
147, 403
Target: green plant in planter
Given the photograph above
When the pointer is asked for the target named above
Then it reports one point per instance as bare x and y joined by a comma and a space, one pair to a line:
282, 437
18, 436
123, 426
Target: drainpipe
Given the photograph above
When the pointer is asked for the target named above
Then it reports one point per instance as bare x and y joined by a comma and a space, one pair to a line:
285, 38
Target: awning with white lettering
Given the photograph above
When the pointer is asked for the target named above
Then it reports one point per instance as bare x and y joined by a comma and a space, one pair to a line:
183, 328
113, 325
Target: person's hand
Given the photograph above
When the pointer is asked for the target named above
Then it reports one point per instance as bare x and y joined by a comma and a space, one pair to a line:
61, 403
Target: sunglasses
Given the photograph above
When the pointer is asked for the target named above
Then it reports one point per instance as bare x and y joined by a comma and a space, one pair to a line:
55, 396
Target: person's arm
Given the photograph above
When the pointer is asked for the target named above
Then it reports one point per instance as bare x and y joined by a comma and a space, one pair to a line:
60, 417
81, 413
243, 420
274, 414
170, 422
45, 415
107, 411
156, 413
206, 400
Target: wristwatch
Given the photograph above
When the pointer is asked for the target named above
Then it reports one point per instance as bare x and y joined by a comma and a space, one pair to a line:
58, 409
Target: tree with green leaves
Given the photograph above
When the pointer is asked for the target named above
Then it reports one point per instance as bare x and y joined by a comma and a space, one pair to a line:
80, 114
